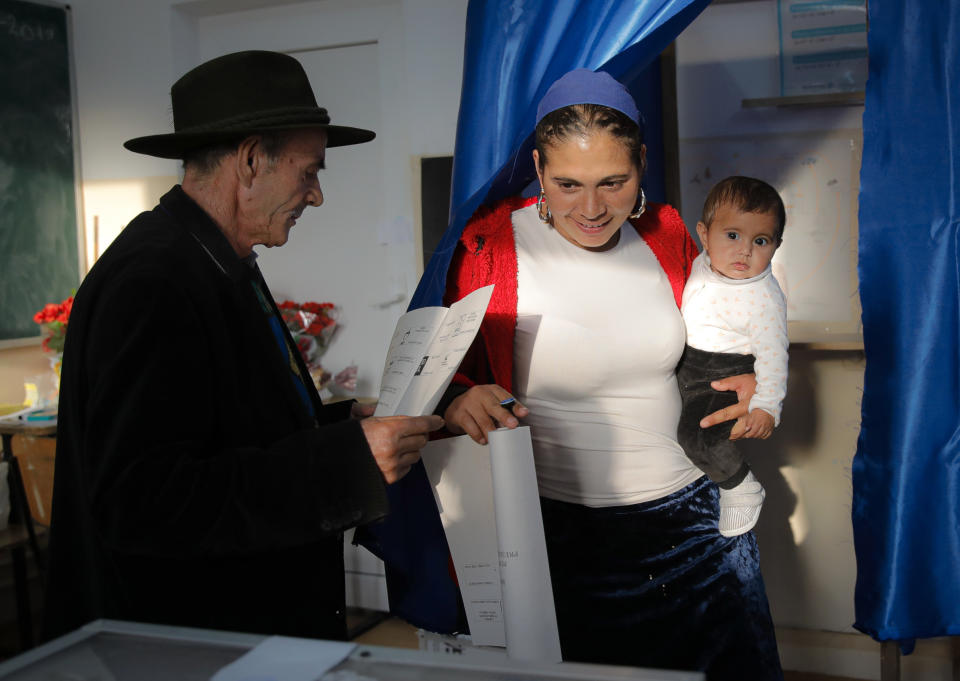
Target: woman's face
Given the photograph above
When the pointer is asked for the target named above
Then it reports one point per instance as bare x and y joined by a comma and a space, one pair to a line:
591, 185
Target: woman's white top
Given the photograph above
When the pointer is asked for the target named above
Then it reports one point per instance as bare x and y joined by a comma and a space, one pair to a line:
598, 339
742, 316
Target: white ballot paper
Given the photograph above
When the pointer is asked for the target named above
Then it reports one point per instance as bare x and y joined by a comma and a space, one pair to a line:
490, 508
283, 658
425, 351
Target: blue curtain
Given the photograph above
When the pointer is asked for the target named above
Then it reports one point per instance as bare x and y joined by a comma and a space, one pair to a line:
514, 51
906, 472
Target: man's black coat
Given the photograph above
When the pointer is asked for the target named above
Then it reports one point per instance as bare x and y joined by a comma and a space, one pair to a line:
192, 486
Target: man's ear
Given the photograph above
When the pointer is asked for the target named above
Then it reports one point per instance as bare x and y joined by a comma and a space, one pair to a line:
702, 233
249, 160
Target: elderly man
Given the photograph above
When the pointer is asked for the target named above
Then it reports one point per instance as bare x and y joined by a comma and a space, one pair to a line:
200, 481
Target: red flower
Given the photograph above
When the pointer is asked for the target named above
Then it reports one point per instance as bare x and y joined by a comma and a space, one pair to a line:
65, 308
316, 328
317, 308
54, 318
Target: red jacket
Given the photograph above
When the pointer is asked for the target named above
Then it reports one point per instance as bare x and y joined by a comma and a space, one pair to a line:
487, 254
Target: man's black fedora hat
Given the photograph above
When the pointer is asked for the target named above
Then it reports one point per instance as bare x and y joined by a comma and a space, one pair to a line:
241, 94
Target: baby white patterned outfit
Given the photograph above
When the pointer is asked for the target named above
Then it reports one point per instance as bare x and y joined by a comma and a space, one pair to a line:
741, 316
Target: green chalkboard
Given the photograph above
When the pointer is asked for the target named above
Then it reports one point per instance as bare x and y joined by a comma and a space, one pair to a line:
39, 260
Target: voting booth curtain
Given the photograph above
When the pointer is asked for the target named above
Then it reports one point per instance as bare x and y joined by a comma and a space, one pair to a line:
906, 472
514, 51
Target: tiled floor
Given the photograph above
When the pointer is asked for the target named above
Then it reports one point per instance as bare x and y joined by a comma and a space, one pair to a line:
398, 634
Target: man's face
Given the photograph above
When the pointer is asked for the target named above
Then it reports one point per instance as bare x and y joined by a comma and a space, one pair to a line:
283, 188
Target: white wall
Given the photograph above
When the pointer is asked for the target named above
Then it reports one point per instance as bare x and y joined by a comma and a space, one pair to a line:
124, 68
127, 53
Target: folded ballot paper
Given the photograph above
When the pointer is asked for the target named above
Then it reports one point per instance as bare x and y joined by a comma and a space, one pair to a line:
490, 509
424, 354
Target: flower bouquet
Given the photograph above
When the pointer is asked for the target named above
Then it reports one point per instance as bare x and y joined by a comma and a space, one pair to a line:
312, 326
53, 318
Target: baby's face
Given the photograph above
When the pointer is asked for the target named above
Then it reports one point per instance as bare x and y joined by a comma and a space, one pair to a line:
740, 245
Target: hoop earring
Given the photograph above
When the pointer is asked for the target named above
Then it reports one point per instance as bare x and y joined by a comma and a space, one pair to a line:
641, 208
543, 210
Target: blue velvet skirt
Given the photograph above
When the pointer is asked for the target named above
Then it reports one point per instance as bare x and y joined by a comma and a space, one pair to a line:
656, 585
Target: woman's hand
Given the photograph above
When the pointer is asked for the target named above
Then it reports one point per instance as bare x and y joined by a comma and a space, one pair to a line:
478, 411
744, 385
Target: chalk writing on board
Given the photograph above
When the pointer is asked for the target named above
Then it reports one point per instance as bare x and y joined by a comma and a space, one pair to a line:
25, 30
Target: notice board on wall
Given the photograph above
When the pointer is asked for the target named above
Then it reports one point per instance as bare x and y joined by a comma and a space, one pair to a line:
817, 175
39, 177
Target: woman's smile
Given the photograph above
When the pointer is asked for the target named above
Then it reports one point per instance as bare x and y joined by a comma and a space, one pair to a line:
592, 228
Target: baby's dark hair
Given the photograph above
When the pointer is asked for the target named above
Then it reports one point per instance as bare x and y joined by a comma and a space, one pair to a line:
581, 119
748, 195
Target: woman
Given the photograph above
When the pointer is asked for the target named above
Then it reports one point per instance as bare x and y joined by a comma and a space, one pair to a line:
584, 329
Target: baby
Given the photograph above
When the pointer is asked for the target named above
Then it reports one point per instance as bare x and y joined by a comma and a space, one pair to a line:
736, 318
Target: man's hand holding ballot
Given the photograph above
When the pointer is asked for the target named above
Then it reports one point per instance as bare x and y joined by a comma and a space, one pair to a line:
396, 441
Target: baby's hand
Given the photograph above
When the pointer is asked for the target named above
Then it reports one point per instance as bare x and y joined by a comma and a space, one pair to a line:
759, 424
